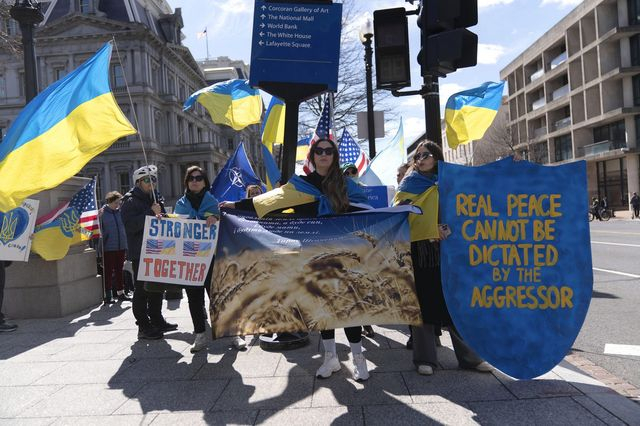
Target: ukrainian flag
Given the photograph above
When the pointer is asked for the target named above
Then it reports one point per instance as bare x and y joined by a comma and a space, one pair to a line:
302, 148
233, 103
469, 113
272, 171
273, 124
60, 131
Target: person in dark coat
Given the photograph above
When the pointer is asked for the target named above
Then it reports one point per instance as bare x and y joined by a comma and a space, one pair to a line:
4, 325
114, 248
635, 204
420, 187
137, 204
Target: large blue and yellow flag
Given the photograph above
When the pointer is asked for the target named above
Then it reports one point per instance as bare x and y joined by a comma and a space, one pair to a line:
273, 124
272, 171
71, 222
233, 103
469, 113
60, 130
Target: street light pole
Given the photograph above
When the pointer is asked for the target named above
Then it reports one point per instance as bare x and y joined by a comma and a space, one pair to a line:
366, 36
28, 16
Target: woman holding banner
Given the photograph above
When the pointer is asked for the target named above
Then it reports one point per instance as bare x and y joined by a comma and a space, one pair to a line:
324, 191
198, 203
420, 188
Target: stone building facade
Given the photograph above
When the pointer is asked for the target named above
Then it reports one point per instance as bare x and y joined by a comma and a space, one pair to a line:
151, 74
575, 94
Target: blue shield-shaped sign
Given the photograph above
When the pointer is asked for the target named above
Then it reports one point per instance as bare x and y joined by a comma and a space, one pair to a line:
516, 269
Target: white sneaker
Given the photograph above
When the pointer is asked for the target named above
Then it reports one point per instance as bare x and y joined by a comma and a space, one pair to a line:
360, 370
199, 343
329, 366
425, 370
239, 343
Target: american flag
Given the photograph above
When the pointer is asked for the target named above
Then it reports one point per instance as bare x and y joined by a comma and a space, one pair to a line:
160, 247
84, 203
323, 131
196, 248
350, 152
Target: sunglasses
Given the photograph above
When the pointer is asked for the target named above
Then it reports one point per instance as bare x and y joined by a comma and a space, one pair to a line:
324, 151
350, 172
196, 178
422, 156
148, 179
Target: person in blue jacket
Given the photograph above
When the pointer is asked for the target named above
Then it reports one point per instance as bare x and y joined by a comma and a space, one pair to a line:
114, 247
198, 203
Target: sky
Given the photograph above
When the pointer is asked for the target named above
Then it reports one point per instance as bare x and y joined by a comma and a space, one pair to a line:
505, 29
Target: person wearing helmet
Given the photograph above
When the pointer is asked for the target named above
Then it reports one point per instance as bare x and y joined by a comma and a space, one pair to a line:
142, 201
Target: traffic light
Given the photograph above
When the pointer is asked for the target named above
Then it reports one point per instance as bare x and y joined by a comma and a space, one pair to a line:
391, 37
446, 43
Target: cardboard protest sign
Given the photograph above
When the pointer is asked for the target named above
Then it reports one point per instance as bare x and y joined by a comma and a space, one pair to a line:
516, 269
176, 251
16, 227
288, 275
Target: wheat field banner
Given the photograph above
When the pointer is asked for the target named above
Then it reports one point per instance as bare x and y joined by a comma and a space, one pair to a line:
176, 251
516, 269
288, 275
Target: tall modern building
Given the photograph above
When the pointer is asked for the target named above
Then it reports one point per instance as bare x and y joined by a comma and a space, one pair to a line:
575, 94
151, 73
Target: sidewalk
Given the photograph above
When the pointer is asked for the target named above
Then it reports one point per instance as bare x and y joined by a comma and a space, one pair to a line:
90, 369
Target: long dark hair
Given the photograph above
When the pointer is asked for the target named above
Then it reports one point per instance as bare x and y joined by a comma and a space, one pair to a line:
433, 149
192, 169
334, 185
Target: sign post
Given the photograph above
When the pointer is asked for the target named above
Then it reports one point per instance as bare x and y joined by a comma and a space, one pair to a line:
295, 56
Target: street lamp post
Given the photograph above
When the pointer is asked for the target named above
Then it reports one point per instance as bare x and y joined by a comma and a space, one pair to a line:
28, 16
366, 36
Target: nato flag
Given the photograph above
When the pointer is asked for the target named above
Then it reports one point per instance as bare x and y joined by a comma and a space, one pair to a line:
232, 181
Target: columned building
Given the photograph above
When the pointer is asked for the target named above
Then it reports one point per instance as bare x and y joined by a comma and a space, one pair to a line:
152, 74
575, 94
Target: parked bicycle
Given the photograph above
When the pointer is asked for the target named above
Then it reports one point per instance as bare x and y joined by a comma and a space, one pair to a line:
605, 214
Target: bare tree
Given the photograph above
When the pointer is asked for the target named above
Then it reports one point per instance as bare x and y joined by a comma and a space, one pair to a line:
9, 43
497, 141
351, 96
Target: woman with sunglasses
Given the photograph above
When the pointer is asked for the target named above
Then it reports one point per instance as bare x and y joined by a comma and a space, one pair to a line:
198, 203
332, 193
420, 188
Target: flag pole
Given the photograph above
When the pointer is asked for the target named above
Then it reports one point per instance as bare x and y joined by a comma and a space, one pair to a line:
207, 41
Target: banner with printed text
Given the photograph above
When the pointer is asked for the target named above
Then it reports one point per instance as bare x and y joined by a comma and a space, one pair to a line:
516, 269
176, 251
16, 227
288, 275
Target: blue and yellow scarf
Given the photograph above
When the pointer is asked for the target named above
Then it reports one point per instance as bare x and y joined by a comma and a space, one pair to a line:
422, 191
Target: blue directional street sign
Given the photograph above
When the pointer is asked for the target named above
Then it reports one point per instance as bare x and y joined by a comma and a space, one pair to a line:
296, 43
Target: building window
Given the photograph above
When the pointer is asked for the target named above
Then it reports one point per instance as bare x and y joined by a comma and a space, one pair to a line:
21, 88
171, 85
11, 27
3, 86
614, 132
634, 12
636, 90
123, 182
155, 75
230, 144
85, 6
634, 45
117, 76
563, 148
59, 73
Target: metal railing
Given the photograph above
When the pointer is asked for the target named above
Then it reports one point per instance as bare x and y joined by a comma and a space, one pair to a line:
538, 103
539, 132
602, 147
562, 91
562, 123
558, 60
536, 75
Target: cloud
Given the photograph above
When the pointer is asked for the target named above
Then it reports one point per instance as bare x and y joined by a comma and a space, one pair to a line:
413, 128
446, 90
489, 54
235, 6
489, 3
561, 3
412, 101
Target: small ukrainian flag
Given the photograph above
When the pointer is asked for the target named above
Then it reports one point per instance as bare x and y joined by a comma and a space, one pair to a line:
469, 113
